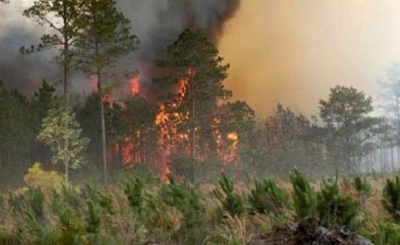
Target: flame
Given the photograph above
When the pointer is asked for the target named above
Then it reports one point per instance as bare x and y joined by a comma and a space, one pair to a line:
134, 86
233, 137
127, 151
171, 140
168, 130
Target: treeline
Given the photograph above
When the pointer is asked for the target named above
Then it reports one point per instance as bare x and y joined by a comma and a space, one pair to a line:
231, 138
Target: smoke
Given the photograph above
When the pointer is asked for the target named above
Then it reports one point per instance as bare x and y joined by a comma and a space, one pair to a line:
18, 71
293, 51
157, 24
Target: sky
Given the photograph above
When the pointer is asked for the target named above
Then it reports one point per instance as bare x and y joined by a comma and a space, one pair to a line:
287, 51
293, 52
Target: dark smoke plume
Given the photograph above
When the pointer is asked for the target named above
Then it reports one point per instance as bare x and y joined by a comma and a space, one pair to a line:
156, 22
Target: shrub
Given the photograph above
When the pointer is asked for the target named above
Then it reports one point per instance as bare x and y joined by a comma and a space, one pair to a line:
35, 199
93, 220
333, 208
72, 227
391, 195
187, 200
268, 198
231, 202
134, 192
45, 180
100, 198
304, 196
383, 232
364, 191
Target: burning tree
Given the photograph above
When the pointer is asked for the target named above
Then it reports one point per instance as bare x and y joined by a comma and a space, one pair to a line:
138, 130
193, 65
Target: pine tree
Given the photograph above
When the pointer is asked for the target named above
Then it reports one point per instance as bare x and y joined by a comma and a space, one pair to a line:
105, 38
193, 63
62, 18
304, 196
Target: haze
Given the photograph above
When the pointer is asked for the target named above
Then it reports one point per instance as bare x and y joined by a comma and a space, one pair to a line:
293, 51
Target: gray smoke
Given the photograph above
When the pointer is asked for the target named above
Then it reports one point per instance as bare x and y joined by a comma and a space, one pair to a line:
156, 22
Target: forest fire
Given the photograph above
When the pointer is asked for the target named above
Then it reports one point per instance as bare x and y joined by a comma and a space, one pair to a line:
166, 130
127, 152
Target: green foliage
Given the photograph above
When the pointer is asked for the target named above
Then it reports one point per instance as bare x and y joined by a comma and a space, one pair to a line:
35, 199
391, 195
304, 196
364, 190
231, 202
93, 220
134, 192
352, 130
187, 200
363, 187
384, 233
30, 201
268, 198
72, 227
62, 133
333, 208
45, 180
100, 198
157, 216
106, 36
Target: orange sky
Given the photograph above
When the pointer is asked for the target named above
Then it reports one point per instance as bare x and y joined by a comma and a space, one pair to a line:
292, 51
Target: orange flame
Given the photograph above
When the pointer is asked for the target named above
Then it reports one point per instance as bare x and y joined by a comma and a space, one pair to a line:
134, 86
127, 151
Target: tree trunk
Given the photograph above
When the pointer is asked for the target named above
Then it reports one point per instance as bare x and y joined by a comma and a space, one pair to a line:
66, 165
192, 127
66, 61
103, 128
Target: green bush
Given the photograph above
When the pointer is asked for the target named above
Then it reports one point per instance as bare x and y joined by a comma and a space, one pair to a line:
268, 198
384, 233
333, 208
187, 200
134, 192
391, 198
90, 192
304, 196
93, 221
364, 191
46, 180
231, 202
72, 227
